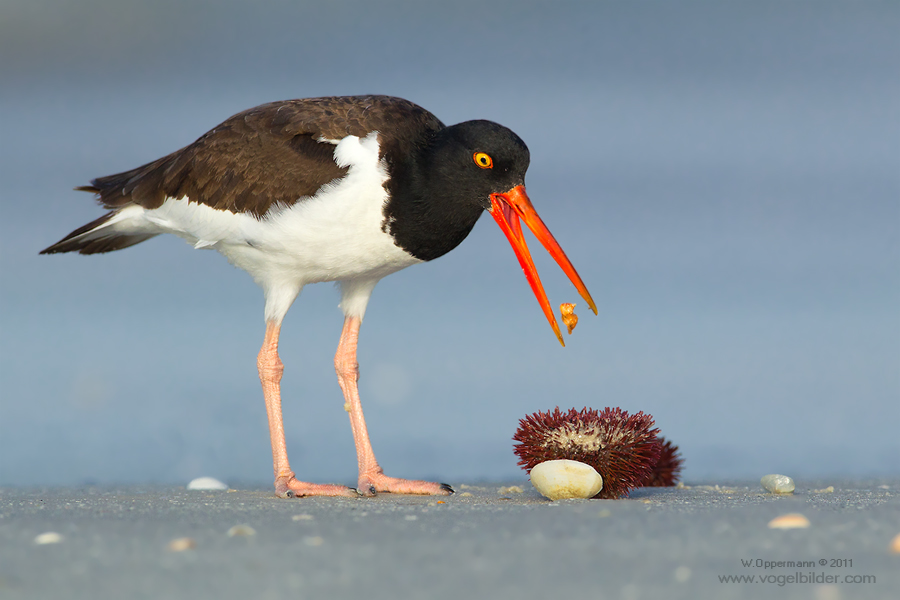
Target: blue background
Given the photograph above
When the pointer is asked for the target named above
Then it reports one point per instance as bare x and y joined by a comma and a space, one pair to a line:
725, 177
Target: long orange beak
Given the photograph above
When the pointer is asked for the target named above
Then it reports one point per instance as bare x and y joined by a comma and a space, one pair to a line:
507, 209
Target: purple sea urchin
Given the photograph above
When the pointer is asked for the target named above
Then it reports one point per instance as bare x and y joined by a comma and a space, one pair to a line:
621, 447
667, 469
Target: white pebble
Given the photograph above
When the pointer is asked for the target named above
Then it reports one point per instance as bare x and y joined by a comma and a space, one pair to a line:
206, 483
778, 484
560, 479
49, 537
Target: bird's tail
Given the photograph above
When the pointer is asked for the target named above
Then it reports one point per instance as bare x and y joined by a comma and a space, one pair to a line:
117, 229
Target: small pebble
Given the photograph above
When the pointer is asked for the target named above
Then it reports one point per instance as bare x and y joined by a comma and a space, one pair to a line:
778, 484
206, 483
313, 540
829, 591
682, 574
895, 544
241, 531
789, 521
828, 490
181, 544
513, 489
49, 537
560, 479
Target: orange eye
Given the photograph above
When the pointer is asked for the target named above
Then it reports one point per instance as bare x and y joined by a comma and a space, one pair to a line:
483, 160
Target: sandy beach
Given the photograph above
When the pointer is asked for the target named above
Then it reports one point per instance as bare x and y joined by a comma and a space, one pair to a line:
496, 540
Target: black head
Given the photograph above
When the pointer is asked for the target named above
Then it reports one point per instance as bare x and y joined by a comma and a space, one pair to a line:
439, 190
476, 159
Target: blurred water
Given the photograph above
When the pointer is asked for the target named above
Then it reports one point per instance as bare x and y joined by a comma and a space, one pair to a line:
724, 177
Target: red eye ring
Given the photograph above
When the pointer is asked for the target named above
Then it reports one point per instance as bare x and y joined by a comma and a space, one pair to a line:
483, 160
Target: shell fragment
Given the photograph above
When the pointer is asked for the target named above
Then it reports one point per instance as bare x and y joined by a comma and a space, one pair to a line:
206, 483
789, 521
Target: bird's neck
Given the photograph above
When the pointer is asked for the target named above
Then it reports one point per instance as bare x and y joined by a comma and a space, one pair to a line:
428, 214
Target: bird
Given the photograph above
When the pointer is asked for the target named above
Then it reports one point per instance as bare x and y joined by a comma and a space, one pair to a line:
344, 189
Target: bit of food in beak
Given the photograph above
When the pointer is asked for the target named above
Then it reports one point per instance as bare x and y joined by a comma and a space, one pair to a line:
570, 319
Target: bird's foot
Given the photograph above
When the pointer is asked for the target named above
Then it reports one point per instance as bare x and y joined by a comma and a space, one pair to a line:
287, 486
372, 483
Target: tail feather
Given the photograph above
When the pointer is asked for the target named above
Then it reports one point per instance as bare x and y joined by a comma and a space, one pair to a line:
98, 236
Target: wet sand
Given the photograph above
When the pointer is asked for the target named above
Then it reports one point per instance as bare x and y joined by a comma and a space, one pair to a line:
486, 541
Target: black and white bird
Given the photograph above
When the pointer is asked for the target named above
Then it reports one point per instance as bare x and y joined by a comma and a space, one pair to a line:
343, 189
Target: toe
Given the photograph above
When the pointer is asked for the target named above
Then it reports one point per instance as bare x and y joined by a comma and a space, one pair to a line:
290, 487
382, 483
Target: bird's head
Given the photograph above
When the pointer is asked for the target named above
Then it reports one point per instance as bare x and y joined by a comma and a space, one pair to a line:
480, 158
486, 163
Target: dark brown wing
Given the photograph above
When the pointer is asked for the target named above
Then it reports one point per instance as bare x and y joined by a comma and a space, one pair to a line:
267, 156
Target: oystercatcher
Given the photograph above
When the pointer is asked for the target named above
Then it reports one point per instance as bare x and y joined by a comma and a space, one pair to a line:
344, 189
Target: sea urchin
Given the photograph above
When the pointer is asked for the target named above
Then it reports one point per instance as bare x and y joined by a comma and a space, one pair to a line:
667, 469
621, 447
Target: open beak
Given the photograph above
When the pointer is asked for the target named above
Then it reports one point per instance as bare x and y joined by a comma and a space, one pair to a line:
506, 209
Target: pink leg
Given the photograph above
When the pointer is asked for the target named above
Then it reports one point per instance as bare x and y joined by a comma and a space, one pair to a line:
371, 478
270, 370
